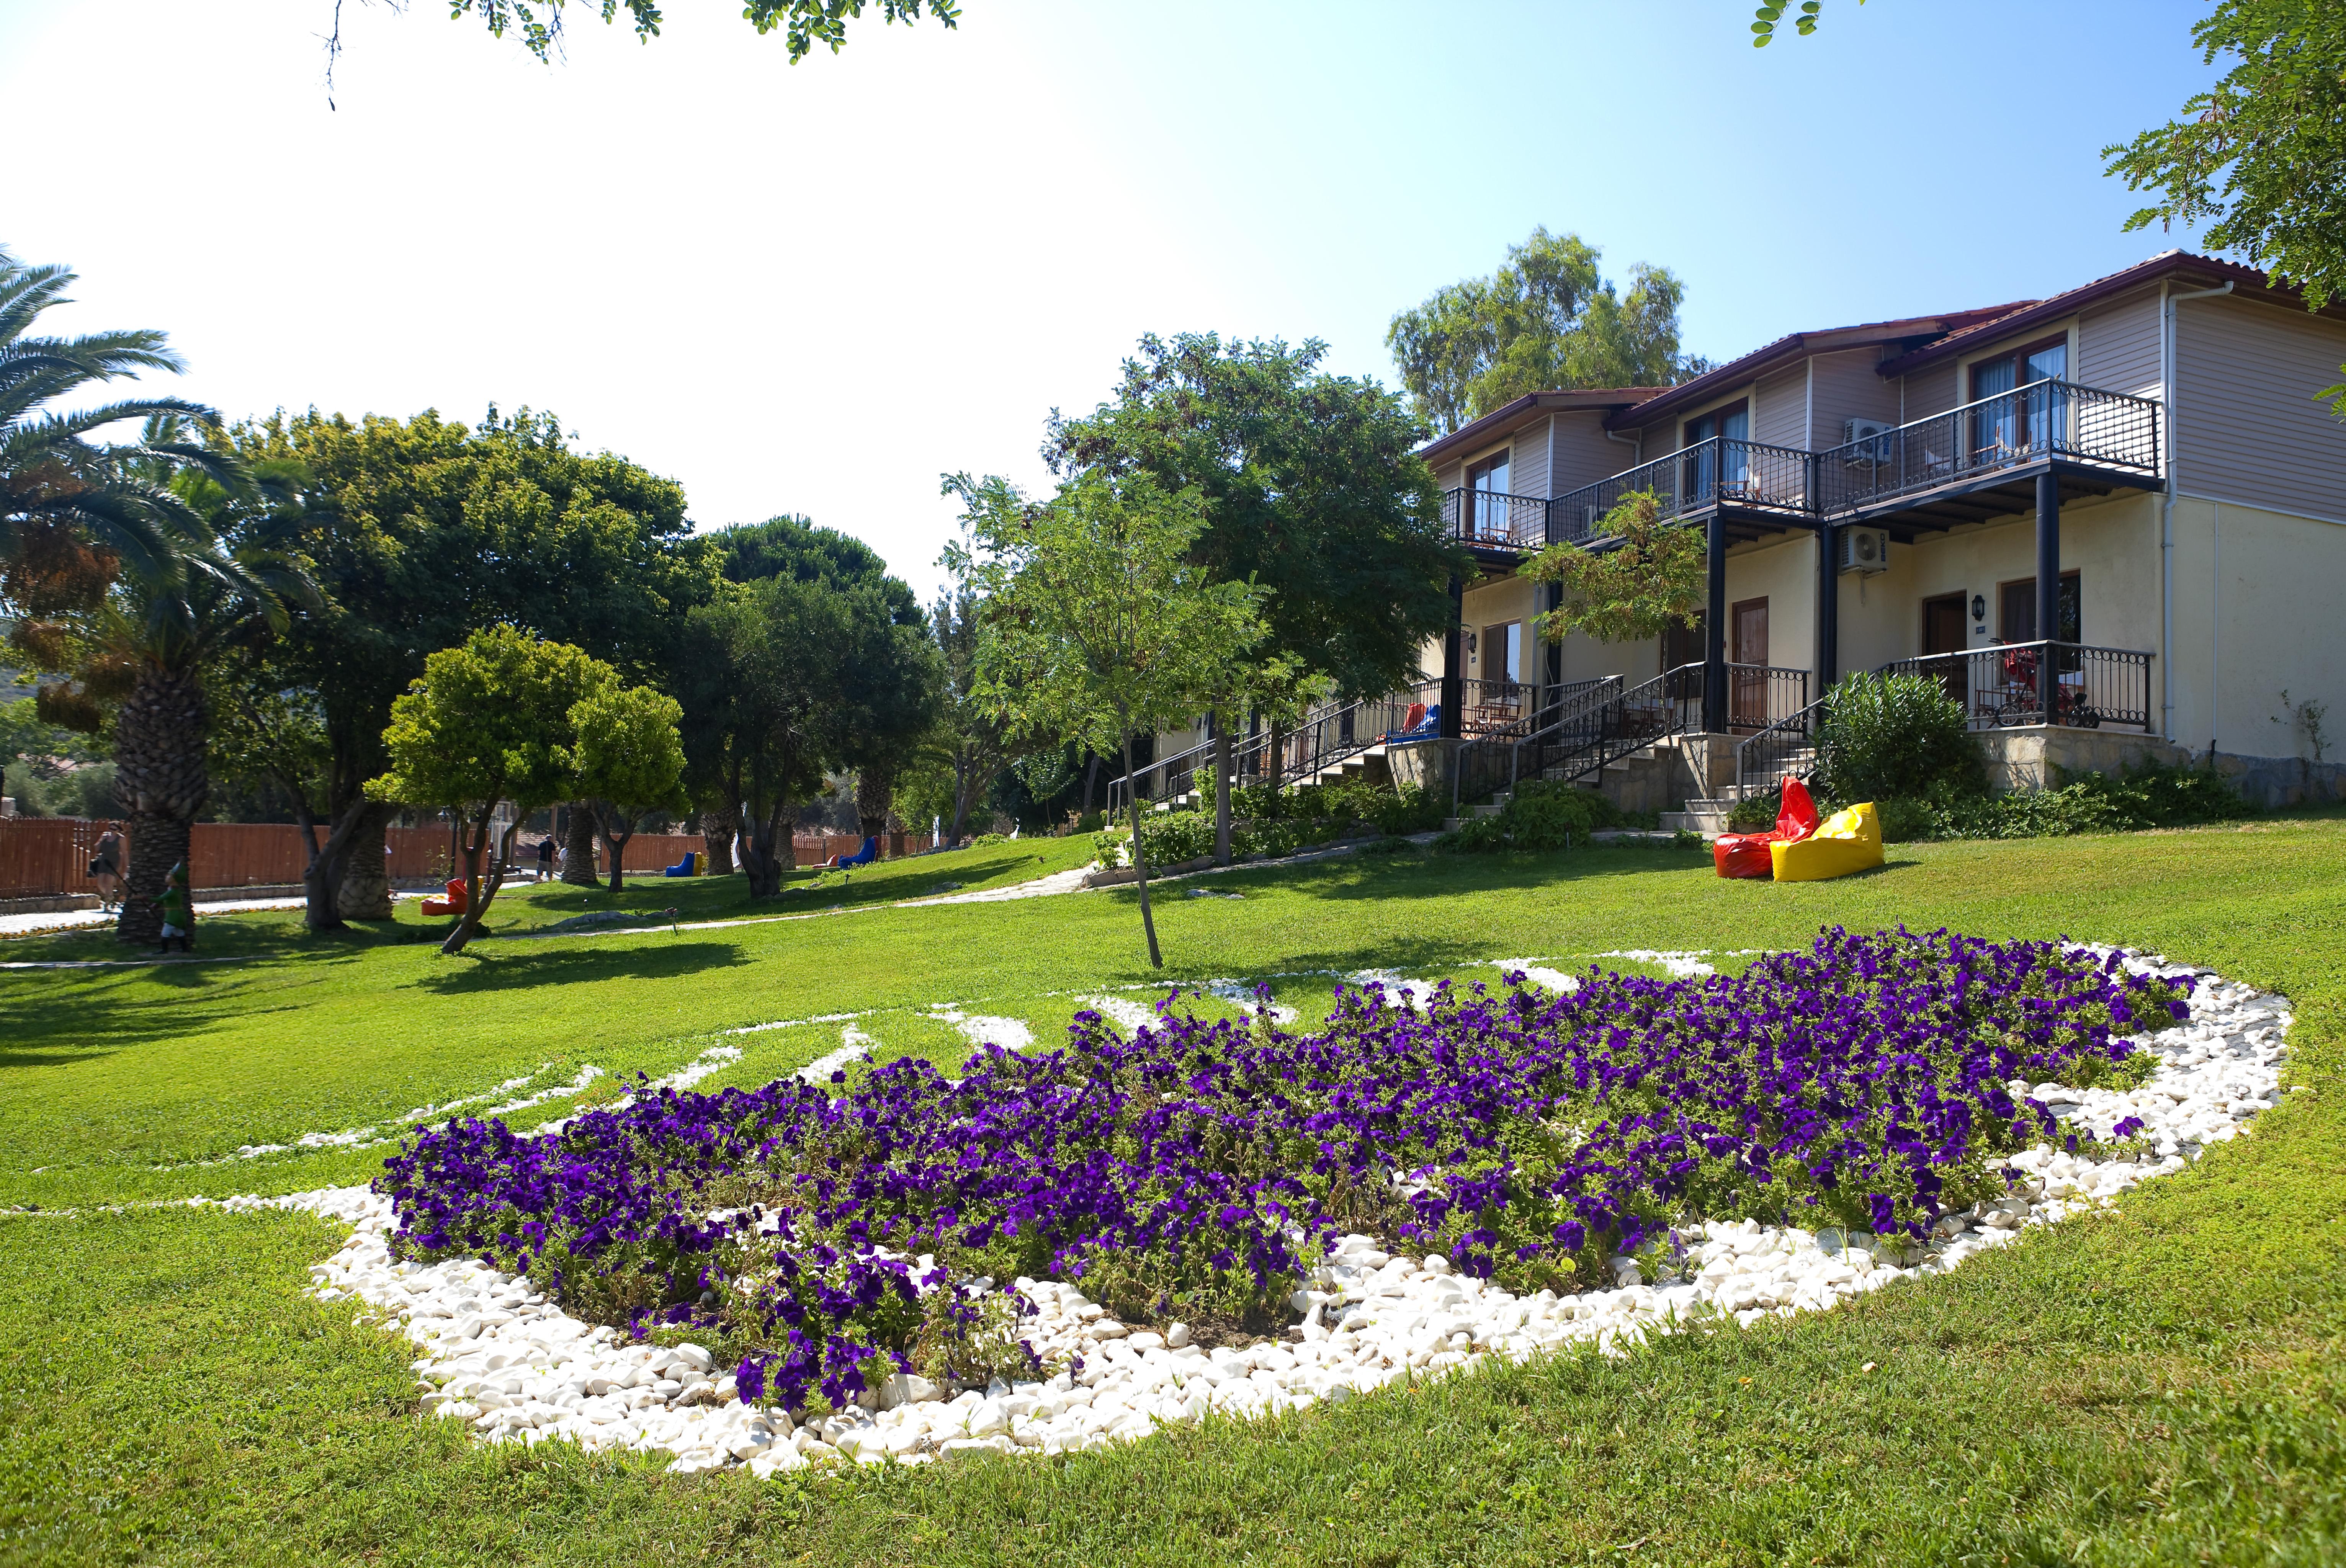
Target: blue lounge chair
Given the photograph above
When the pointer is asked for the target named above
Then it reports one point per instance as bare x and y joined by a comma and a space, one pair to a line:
1425, 729
683, 867
865, 856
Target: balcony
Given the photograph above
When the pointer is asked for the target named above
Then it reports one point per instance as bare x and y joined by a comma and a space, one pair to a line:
1965, 466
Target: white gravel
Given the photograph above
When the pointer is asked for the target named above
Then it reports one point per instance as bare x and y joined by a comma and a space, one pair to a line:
494, 1354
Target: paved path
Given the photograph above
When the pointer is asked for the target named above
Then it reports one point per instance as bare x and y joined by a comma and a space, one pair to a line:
69, 919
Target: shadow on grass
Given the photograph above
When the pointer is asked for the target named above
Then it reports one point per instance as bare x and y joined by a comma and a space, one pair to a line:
486, 966
1422, 874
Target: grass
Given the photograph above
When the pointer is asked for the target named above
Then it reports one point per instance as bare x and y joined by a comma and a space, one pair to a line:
2162, 1385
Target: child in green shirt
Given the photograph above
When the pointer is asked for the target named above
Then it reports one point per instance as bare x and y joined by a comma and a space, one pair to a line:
178, 906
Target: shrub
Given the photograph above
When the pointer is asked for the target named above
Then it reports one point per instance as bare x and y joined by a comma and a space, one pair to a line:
2150, 796
1756, 813
1539, 814
1885, 736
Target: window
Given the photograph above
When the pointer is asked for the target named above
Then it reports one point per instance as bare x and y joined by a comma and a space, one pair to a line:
1716, 452
1486, 493
1682, 644
2029, 410
2016, 604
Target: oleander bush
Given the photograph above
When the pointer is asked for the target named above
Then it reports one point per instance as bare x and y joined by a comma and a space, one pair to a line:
819, 1233
1267, 823
1882, 737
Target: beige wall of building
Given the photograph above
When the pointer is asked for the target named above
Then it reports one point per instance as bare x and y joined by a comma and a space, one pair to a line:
2256, 611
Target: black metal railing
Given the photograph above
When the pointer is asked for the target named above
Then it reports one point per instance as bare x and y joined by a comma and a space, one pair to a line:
1325, 737
1746, 473
1999, 687
1786, 746
2007, 684
1495, 520
2046, 419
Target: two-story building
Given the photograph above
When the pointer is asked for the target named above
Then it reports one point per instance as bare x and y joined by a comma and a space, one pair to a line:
2137, 468
2122, 508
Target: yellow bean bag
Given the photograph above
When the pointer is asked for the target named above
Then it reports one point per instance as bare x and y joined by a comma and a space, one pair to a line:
1849, 840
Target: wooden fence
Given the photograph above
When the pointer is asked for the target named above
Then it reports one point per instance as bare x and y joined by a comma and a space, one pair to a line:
42, 857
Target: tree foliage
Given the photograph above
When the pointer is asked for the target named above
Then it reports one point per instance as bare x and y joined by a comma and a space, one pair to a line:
812, 657
489, 724
1765, 20
2259, 158
629, 759
1308, 486
803, 23
1651, 577
1545, 321
420, 531
1100, 623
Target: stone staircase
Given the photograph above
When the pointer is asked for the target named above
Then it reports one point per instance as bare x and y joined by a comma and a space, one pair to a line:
1707, 816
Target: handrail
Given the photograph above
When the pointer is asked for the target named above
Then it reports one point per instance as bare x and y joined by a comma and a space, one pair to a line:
1320, 737
1495, 519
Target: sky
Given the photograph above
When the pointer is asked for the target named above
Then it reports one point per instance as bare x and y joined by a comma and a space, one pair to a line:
817, 289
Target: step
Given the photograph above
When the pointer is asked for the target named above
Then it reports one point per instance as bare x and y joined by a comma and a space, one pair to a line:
1709, 824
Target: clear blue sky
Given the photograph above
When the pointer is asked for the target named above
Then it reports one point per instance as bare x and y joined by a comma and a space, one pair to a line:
815, 288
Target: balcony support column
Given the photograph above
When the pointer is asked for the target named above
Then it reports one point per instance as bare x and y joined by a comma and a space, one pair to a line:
1828, 654
1552, 649
1714, 634
2048, 589
1453, 665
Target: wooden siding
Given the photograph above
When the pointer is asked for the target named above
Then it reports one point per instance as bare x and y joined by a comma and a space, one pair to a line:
2117, 347
1451, 476
1585, 454
1929, 392
2249, 428
1847, 388
1527, 466
1779, 409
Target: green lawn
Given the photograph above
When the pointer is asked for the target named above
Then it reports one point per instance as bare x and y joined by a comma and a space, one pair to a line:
2160, 1385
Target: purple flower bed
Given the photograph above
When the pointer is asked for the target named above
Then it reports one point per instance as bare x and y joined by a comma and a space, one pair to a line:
1198, 1170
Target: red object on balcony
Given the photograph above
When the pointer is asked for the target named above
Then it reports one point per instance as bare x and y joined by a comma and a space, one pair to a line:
1747, 854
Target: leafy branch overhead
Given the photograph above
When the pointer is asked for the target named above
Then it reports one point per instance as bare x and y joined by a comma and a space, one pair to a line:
1764, 20
804, 24
1651, 579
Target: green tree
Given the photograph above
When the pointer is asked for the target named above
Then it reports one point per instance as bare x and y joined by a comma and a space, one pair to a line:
629, 761
1649, 577
769, 714
419, 532
486, 724
2259, 158
1309, 487
969, 741
865, 702
1101, 625
1545, 321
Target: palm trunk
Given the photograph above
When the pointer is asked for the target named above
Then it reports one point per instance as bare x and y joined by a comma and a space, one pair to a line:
159, 754
579, 847
364, 893
1140, 860
1278, 751
761, 855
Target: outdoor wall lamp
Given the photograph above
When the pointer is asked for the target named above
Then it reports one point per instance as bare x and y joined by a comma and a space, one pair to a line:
1979, 607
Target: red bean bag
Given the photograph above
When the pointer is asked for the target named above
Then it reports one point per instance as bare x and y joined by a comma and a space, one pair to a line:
453, 904
1751, 854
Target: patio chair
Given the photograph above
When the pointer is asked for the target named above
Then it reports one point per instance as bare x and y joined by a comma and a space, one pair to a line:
685, 866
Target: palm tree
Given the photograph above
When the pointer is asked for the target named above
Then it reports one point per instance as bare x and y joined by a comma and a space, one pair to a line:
109, 566
166, 619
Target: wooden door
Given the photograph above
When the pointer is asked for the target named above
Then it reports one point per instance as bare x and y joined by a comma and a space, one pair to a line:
1748, 624
1943, 632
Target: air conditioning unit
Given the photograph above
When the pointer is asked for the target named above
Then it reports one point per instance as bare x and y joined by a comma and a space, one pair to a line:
1866, 441
1864, 550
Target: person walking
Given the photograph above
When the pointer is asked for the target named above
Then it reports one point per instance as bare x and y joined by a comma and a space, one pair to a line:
105, 870
545, 859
